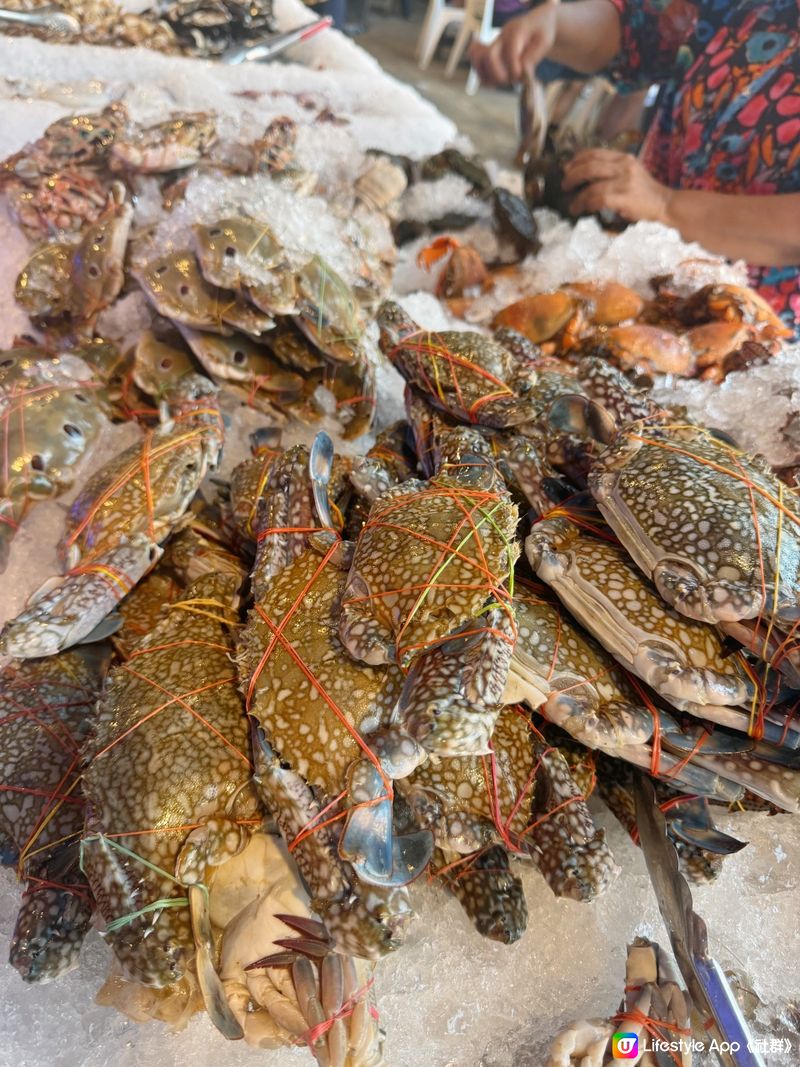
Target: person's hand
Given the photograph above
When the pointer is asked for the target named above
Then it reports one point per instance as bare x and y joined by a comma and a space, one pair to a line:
618, 182
522, 43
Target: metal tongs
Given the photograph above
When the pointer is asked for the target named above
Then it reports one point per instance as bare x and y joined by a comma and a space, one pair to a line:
53, 19
705, 980
271, 46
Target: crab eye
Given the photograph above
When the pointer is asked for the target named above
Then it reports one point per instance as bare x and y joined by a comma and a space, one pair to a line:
161, 270
239, 356
37, 463
94, 271
72, 431
183, 290
230, 251
216, 232
165, 363
81, 398
7, 363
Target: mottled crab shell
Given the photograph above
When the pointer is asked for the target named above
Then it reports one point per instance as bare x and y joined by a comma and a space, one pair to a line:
552, 655
168, 780
147, 487
487, 795
467, 375
718, 534
49, 419
311, 699
45, 714
684, 660
241, 253
312, 704
429, 558
176, 289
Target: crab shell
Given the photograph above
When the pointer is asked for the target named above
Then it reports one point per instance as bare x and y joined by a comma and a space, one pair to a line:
521, 794
45, 714
147, 488
168, 784
715, 531
97, 270
682, 659
171, 145
245, 255
50, 420
467, 375
176, 289
429, 558
312, 704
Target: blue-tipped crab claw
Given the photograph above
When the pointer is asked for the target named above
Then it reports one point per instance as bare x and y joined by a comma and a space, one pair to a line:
368, 841
320, 462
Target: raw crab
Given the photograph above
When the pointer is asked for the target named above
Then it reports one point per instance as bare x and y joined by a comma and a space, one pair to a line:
311, 703
156, 853
116, 523
171, 145
176, 289
522, 795
682, 659
173, 705
289, 990
467, 375
242, 254
574, 683
715, 530
45, 714
49, 420
430, 558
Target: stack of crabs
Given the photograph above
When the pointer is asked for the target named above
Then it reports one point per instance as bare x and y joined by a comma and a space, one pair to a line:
242, 723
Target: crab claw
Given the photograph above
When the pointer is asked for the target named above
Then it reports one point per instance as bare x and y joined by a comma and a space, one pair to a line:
436, 250
368, 841
214, 998
578, 415
320, 461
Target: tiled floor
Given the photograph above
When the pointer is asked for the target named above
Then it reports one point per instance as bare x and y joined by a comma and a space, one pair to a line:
489, 118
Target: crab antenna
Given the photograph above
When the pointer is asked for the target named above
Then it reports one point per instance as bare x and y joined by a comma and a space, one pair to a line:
319, 469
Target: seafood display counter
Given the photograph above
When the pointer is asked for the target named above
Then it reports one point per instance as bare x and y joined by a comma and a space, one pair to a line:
365, 537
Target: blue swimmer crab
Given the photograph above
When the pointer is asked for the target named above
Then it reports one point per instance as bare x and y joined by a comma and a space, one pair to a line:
158, 858
45, 714
715, 531
117, 522
49, 420
310, 704
573, 682
521, 794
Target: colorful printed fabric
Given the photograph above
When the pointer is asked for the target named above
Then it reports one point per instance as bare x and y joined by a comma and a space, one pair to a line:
729, 113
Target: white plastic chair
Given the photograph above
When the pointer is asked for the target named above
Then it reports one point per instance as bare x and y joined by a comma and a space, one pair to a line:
438, 17
478, 18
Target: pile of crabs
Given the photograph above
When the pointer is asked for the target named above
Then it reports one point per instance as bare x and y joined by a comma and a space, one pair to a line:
204, 28
251, 712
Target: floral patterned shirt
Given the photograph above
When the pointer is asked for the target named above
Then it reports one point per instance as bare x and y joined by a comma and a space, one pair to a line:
729, 112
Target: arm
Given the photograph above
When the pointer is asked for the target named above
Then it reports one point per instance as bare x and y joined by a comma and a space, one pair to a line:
584, 35
759, 229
